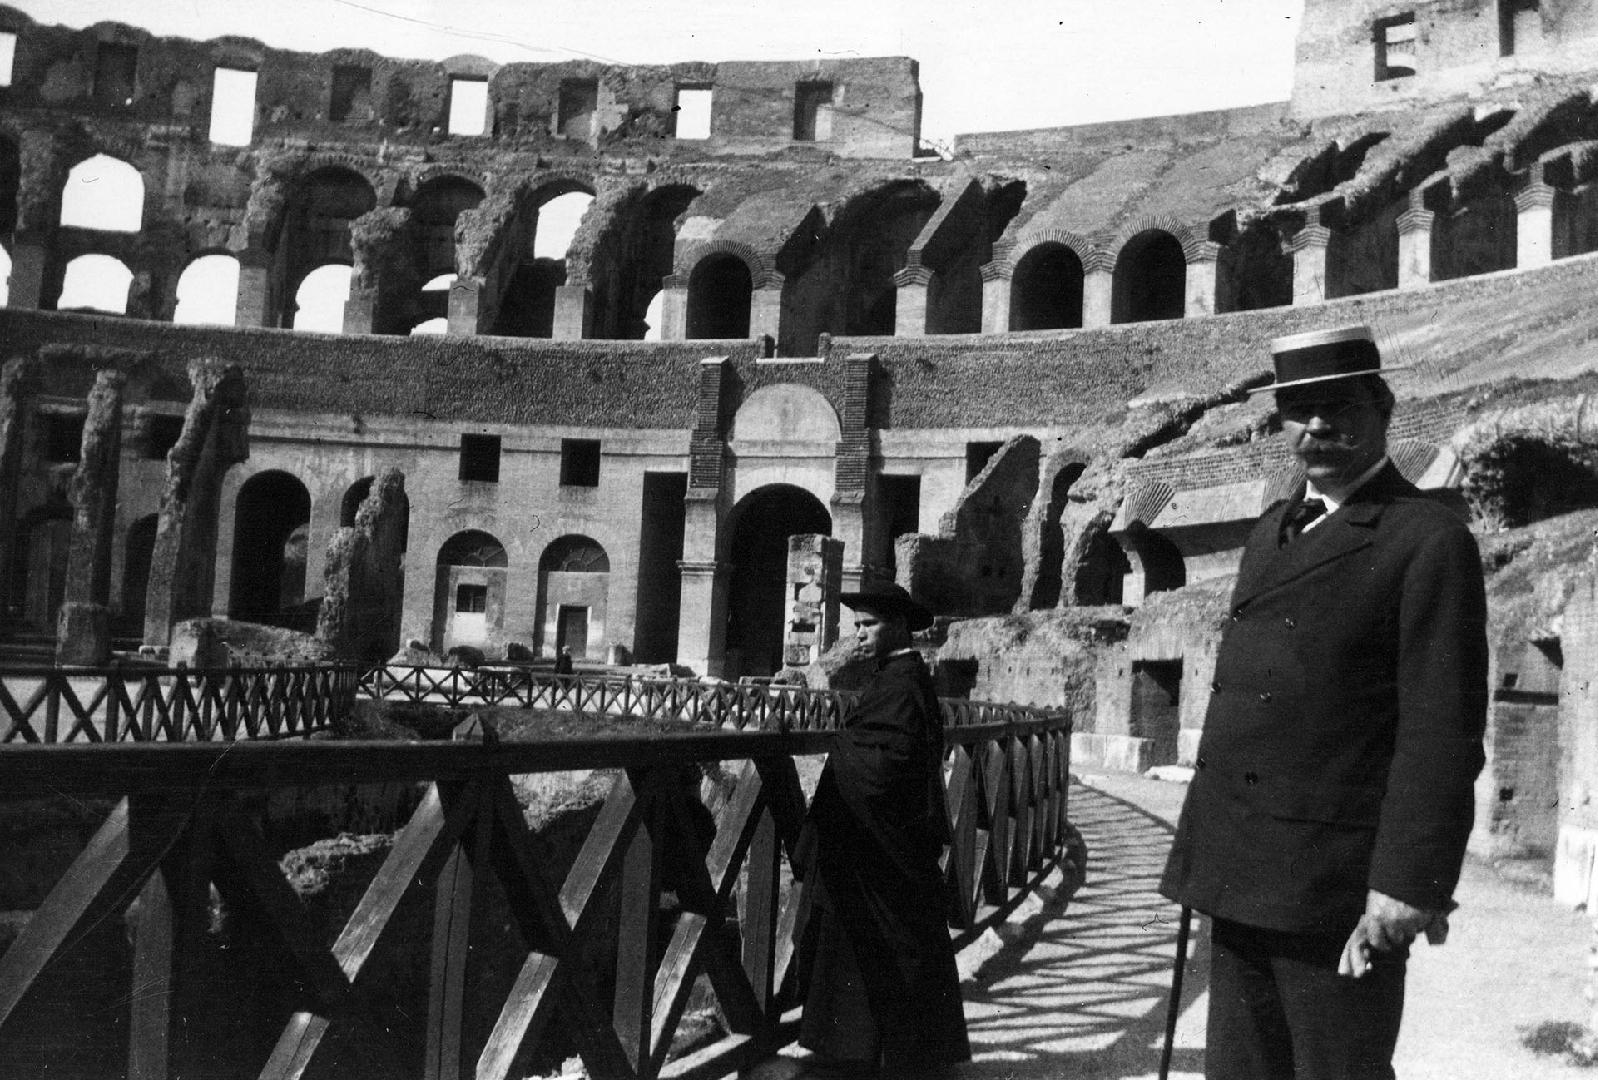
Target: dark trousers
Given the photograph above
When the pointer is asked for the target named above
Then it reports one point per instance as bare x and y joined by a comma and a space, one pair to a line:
1280, 1011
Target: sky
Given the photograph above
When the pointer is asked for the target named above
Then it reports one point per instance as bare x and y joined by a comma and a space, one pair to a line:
984, 66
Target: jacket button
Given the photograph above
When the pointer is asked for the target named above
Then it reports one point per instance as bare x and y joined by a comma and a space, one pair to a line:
1199, 764
1251, 778
1237, 614
1265, 696
1215, 687
1291, 625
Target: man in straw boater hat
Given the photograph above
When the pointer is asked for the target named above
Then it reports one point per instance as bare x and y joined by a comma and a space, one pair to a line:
884, 996
1331, 798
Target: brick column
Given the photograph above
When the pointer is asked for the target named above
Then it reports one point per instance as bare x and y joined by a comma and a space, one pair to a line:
30, 255
1308, 248
702, 618
765, 308
1414, 247
360, 310
1534, 225
702, 626
852, 474
83, 626
910, 305
573, 312
467, 314
18, 385
254, 304
1201, 263
1098, 289
674, 308
996, 296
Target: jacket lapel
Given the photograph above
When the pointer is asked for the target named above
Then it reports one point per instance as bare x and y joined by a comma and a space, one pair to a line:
1350, 529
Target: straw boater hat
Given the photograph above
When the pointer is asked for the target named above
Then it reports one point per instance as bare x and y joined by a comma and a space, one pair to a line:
1346, 352
889, 600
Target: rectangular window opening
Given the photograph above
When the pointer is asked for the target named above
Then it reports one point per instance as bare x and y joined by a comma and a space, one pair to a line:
63, 436
812, 112
471, 599
161, 434
579, 100
232, 107
114, 69
352, 93
579, 462
8, 56
468, 106
1520, 26
1395, 47
693, 112
977, 455
480, 458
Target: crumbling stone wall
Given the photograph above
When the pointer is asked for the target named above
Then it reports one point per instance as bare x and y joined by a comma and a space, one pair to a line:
83, 632
364, 584
17, 387
974, 566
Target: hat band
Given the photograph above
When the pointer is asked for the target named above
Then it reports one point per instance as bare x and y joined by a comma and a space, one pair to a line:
1330, 361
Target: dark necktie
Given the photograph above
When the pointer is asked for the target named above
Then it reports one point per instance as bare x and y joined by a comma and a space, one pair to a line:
1306, 512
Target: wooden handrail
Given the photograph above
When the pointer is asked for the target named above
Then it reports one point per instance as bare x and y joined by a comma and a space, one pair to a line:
189, 817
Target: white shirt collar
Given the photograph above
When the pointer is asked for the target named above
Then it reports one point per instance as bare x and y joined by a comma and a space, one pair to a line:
1334, 504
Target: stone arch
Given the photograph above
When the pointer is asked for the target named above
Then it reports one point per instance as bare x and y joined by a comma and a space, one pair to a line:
317, 226
719, 291
1156, 564
1150, 278
207, 290
354, 495
435, 206
1044, 582
526, 304
573, 597
103, 193
1253, 271
137, 548
469, 591
1362, 251
757, 532
1472, 233
634, 251
271, 521
760, 269
1192, 241
1046, 287
1521, 477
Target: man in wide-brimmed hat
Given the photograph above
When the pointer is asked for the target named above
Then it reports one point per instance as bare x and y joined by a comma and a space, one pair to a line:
884, 996
1332, 791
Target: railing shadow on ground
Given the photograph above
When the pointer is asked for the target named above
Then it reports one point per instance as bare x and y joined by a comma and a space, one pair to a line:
1085, 995
599, 966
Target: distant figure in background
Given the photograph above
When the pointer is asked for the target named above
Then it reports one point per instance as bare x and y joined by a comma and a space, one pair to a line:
563, 662
884, 996
1332, 794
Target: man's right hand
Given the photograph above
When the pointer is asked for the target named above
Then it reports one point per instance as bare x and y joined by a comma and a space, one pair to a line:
1387, 924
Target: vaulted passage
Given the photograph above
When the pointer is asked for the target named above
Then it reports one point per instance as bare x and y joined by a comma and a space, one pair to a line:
762, 522
1150, 279
1046, 290
270, 520
574, 598
469, 591
718, 298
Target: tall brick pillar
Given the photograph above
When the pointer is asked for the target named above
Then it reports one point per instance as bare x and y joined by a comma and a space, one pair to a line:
215, 437
852, 474
702, 618
1534, 225
360, 310
468, 310
815, 572
674, 308
254, 304
1415, 247
18, 385
910, 305
1098, 289
573, 312
1201, 277
996, 296
83, 627
1308, 248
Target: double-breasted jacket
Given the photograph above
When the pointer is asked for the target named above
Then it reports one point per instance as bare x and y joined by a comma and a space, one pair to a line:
1344, 729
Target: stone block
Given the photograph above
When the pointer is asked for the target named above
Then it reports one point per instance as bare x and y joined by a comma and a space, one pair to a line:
83, 635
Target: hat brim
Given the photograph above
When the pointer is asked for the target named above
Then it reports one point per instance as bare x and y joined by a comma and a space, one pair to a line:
916, 617
1290, 383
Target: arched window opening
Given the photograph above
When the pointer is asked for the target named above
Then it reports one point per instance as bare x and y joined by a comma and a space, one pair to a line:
876, 243
528, 306
95, 283
762, 522
320, 299
1475, 236
434, 210
208, 292
1362, 256
653, 315
432, 308
1150, 280
105, 194
1254, 272
1156, 563
351, 503
469, 597
1046, 289
719, 290
271, 527
558, 221
316, 234
1051, 546
1521, 480
631, 256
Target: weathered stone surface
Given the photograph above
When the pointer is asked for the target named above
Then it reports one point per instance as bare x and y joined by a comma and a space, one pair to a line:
364, 581
815, 573
209, 643
1039, 658
83, 625
18, 384
83, 634
215, 437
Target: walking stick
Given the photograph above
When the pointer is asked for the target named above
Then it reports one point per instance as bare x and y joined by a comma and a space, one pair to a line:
1174, 1007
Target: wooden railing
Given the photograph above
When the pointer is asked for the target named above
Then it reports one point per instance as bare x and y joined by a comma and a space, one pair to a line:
188, 817
171, 704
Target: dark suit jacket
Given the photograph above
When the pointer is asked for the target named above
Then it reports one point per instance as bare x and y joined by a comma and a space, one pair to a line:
1344, 731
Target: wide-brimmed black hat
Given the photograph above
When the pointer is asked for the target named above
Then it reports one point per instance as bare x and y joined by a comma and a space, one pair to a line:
889, 600
1345, 352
